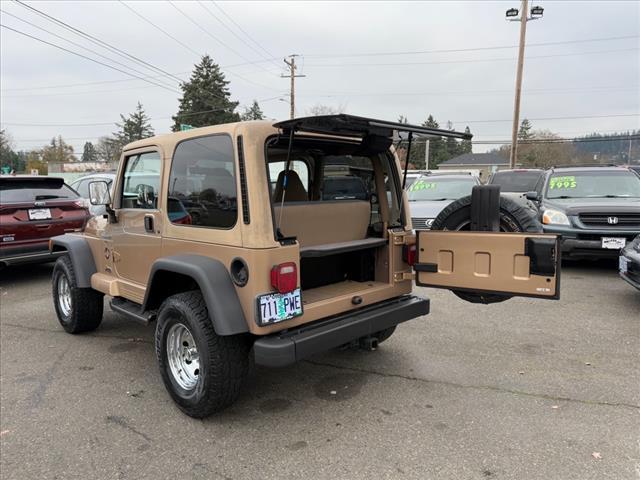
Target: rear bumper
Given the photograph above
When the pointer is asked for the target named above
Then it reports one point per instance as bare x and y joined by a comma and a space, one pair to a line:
285, 348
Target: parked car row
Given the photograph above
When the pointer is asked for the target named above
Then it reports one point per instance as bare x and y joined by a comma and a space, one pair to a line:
596, 209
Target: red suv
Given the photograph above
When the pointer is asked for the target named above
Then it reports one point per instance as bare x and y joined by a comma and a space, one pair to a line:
32, 210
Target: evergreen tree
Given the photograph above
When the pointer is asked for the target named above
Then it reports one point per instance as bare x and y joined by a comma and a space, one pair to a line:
437, 147
466, 145
205, 98
134, 127
524, 132
89, 153
253, 112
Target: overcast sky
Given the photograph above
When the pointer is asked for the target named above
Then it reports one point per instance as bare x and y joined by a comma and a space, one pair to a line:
570, 78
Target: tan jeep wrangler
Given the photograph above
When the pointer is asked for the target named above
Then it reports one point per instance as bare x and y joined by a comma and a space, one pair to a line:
276, 241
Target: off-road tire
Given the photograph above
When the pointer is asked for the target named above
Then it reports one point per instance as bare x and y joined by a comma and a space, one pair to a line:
383, 335
223, 360
514, 217
82, 312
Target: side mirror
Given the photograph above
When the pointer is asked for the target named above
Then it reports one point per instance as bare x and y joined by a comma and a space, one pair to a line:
533, 196
146, 196
99, 193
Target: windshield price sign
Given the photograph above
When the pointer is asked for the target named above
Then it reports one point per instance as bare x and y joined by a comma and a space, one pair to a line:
422, 185
562, 182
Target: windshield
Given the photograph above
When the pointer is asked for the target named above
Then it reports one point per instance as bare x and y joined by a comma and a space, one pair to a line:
434, 189
594, 184
516, 181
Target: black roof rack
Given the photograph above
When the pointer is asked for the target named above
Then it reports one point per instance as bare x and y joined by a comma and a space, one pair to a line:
354, 126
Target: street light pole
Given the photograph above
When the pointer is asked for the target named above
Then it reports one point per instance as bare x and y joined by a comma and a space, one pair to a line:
512, 14
516, 103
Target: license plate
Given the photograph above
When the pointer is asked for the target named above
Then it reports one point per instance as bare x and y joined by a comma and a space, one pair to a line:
39, 214
277, 307
613, 243
623, 264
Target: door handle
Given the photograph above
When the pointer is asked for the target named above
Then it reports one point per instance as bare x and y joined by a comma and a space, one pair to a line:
148, 223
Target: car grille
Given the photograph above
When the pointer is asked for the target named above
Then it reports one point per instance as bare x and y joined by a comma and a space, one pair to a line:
420, 223
623, 220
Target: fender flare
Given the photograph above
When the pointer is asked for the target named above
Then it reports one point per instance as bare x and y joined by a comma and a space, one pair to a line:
214, 282
84, 266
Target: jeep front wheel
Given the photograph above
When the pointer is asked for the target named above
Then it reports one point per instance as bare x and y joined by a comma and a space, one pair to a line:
202, 371
78, 309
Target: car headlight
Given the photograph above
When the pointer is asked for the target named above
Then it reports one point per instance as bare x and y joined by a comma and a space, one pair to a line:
554, 217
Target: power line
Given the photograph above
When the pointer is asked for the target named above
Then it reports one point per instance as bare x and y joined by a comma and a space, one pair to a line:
76, 44
97, 124
474, 49
88, 58
474, 60
69, 85
557, 140
237, 36
145, 19
612, 115
96, 40
207, 32
539, 91
239, 27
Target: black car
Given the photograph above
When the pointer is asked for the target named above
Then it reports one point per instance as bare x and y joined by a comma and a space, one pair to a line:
519, 180
629, 265
595, 209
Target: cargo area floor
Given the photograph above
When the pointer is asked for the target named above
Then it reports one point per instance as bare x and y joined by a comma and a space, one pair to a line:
337, 289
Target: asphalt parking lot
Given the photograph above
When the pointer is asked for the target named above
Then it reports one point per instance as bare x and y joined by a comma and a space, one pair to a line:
526, 389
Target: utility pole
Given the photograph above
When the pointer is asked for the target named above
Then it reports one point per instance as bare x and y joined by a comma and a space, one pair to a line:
536, 13
426, 153
292, 74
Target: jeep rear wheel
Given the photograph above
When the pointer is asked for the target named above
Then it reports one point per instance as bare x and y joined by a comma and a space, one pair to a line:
78, 309
202, 371
513, 218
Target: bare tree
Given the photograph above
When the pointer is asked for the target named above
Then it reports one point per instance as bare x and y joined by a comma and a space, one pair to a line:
319, 109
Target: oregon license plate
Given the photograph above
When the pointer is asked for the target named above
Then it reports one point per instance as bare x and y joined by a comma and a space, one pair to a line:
39, 214
613, 243
277, 307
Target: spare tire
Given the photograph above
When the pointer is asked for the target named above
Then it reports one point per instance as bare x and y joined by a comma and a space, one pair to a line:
514, 217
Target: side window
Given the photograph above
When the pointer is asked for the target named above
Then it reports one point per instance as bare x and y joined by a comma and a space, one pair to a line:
141, 181
298, 166
202, 183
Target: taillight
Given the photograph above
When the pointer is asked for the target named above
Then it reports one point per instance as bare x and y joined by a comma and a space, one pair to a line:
284, 277
409, 253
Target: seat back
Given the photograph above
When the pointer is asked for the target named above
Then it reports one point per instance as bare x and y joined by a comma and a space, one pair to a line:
318, 223
295, 191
